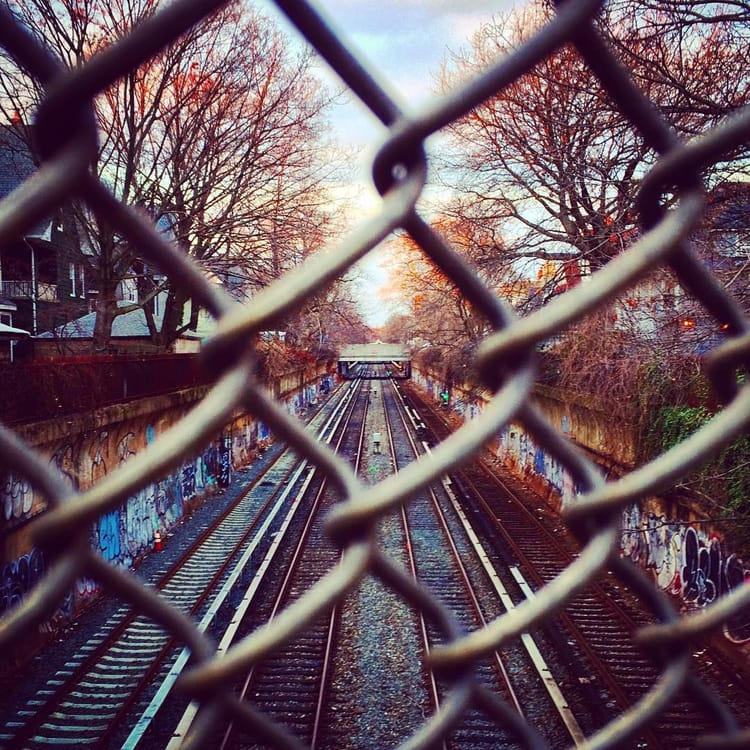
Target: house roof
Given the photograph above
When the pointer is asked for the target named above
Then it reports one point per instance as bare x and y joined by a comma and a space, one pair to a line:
128, 325
16, 166
8, 332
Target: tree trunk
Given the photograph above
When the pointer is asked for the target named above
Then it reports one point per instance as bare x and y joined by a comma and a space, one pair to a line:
173, 314
106, 306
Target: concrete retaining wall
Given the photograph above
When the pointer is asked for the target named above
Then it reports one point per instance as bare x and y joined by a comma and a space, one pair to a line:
86, 447
675, 541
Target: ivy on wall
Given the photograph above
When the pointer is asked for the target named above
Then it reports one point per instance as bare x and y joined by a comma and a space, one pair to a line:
724, 480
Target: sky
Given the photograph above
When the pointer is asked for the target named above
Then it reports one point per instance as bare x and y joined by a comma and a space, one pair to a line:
404, 42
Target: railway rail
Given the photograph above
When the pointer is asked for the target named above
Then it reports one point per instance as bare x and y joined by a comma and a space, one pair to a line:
511, 675
295, 686
356, 677
106, 680
596, 628
291, 685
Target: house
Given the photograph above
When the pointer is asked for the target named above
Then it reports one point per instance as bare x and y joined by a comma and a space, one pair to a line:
724, 239
43, 274
9, 335
130, 335
659, 309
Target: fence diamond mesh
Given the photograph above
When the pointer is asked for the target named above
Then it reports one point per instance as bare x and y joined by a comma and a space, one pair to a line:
66, 134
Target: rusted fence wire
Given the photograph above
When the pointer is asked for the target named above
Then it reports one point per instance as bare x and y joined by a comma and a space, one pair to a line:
65, 130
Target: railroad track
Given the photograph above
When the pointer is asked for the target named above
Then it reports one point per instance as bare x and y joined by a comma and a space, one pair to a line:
299, 688
291, 685
105, 681
594, 633
457, 568
356, 677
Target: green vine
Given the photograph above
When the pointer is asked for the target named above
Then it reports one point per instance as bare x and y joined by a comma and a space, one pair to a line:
674, 423
675, 400
724, 479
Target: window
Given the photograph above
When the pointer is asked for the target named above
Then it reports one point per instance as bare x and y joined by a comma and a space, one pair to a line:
81, 282
72, 275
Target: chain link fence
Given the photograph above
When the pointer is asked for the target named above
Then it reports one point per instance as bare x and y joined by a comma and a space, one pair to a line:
66, 133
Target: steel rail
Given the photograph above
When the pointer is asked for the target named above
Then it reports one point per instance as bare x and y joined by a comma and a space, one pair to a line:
335, 612
52, 702
335, 426
219, 572
554, 691
457, 557
424, 635
412, 423
564, 553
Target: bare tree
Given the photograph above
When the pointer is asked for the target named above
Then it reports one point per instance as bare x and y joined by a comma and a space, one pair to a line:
439, 319
219, 137
549, 162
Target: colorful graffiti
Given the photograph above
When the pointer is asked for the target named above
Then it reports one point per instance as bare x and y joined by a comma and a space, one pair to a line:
187, 477
244, 443
17, 497
124, 534
225, 461
18, 577
686, 562
520, 453
108, 535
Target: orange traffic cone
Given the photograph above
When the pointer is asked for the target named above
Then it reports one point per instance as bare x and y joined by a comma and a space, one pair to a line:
157, 541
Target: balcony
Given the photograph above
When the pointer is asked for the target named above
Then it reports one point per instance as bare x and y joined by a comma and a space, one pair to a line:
23, 290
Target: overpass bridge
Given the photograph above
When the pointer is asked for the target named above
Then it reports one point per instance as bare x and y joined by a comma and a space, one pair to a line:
376, 360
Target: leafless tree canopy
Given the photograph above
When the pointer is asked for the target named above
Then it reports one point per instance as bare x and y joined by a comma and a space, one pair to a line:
550, 163
220, 138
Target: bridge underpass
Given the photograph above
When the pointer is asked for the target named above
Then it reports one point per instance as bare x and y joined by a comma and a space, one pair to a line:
375, 361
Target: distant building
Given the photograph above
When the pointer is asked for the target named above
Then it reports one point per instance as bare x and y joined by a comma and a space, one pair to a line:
658, 308
526, 293
43, 274
725, 235
130, 335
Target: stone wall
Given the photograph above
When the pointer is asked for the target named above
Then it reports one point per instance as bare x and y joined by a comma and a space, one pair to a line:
672, 538
87, 447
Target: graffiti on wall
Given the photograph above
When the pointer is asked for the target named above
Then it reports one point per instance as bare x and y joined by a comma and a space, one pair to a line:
107, 535
65, 460
523, 455
684, 559
18, 577
225, 461
139, 519
244, 442
126, 447
17, 497
122, 535
686, 562
98, 454
125, 533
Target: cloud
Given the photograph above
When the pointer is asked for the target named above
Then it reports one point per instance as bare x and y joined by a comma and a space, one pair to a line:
405, 41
